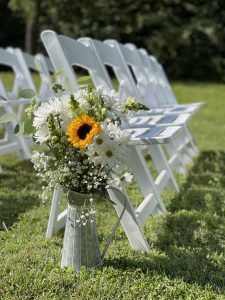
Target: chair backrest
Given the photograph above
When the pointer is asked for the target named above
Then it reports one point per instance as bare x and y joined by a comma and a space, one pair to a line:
39, 64
44, 67
133, 61
153, 77
163, 79
10, 60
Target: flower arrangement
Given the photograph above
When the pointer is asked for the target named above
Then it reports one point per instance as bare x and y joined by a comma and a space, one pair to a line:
87, 148
85, 140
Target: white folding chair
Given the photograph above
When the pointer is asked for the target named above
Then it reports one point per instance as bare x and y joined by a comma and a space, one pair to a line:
22, 64
12, 143
65, 52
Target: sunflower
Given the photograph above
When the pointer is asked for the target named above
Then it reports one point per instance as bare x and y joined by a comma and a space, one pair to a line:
81, 131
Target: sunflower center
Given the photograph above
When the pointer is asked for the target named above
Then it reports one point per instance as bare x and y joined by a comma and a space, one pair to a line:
83, 131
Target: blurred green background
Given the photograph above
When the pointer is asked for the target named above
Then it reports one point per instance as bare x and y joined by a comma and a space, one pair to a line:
188, 37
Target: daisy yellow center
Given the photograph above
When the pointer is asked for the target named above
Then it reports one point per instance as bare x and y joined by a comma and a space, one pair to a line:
81, 130
109, 153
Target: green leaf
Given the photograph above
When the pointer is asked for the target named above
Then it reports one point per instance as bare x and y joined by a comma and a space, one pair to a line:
28, 126
27, 93
83, 79
56, 74
19, 129
7, 117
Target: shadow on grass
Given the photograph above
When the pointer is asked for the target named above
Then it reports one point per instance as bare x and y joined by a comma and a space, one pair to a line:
204, 188
19, 192
188, 246
189, 243
181, 263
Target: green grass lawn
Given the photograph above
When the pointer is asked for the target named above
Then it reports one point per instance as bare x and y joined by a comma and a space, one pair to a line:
187, 258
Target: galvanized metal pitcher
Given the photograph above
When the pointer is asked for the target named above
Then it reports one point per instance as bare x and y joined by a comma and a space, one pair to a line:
80, 246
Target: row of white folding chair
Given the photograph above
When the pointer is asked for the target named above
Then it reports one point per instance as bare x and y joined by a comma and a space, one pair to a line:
131, 58
152, 66
162, 92
124, 92
151, 121
27, 60
110, 55
153, 139
65, 52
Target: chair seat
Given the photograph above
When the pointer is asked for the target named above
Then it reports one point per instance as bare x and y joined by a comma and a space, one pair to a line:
147, 119
152, 135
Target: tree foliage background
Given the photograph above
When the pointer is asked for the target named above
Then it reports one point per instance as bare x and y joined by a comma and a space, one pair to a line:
188, 37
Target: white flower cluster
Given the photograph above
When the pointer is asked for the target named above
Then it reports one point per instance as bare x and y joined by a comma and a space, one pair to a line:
108, 147
99, 161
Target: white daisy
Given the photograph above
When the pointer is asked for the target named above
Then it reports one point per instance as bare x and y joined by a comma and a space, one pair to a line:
103, 151
120, 136
106, 152
55, 106
123, 180
41, 135
107, 155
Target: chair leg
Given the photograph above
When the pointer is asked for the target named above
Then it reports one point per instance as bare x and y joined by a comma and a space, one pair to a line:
137, 163
179, 165
193, 147
129, 221
161, 164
